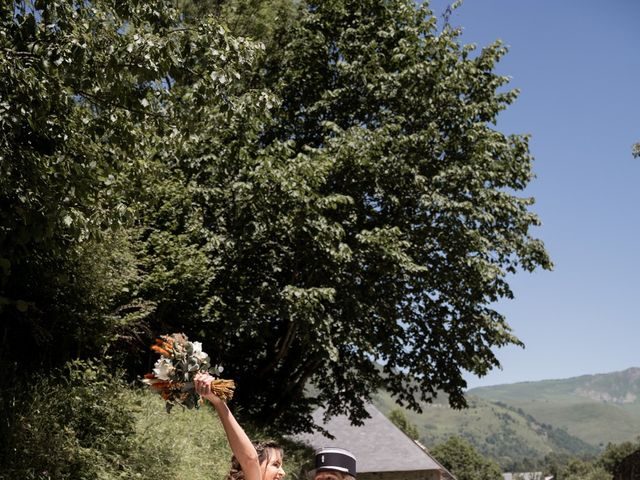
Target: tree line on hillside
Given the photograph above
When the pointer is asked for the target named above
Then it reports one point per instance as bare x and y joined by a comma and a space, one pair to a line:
469, 461
311, 189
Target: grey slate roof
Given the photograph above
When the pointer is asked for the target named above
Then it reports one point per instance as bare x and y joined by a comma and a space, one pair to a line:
379, 446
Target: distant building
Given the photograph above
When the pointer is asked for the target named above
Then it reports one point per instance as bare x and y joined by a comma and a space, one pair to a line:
629, 467
383, 451
526, 476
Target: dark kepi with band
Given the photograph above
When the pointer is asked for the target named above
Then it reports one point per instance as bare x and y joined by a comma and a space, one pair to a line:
336, 459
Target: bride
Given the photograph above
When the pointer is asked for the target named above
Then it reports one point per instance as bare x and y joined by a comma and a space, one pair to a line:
250, 461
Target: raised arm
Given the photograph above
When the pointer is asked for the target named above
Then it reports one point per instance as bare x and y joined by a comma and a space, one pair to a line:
239, 442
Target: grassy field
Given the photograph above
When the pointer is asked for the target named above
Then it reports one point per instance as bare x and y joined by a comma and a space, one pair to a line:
193, 440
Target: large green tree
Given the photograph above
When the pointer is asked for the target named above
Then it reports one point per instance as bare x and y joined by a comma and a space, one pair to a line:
360, 236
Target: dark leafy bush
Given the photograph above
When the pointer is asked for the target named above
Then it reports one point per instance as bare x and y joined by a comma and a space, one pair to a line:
72, 425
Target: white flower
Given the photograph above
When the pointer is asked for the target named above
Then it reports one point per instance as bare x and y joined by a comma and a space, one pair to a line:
163, 369
198, 353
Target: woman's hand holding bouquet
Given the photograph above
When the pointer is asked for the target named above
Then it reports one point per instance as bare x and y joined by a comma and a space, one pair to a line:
205, 387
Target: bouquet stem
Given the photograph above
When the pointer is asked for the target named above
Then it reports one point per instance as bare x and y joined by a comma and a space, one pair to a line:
223, 388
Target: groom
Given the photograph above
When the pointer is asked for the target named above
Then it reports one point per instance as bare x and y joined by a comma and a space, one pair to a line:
334, 464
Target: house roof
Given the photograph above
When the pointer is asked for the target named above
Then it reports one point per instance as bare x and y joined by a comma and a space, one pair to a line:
378, 445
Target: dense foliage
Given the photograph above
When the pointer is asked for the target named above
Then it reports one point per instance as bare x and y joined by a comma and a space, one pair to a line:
399, 419
374, 216
615, 453
334, 197
95, 98
580, 470
69, 425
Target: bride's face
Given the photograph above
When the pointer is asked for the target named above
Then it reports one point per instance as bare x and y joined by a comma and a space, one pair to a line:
272, 466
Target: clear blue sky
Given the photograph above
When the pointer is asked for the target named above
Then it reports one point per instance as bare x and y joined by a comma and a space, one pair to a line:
577, 64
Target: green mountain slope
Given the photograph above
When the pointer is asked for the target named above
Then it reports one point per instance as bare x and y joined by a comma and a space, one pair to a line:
598, 409
513, 438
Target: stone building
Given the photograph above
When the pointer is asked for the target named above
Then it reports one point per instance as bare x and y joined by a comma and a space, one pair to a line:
383, 451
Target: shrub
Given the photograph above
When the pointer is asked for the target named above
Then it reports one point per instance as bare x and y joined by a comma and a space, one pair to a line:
70, 425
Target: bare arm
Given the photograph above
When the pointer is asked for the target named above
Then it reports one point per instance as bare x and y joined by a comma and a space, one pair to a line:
239, 442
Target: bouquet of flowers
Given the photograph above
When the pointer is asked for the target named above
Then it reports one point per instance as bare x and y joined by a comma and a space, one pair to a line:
180, 360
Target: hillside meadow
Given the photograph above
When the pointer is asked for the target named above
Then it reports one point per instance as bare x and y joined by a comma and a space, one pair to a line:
512, 438
598, 409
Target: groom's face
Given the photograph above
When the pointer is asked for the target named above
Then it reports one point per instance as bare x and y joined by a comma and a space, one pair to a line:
329, 475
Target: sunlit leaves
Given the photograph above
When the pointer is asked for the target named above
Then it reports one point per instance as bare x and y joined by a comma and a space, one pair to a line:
96, 100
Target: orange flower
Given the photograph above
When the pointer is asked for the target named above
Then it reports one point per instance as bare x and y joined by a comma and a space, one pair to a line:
163, 344
160, 350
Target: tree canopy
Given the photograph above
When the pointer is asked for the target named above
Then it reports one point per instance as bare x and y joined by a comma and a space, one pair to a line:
614, 454
399, 419
318, 192
459, 457
95, 98
581, 470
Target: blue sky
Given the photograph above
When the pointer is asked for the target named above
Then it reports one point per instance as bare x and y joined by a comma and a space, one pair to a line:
577, 65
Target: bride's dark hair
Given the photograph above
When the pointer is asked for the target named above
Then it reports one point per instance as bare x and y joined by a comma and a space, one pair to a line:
264, 449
